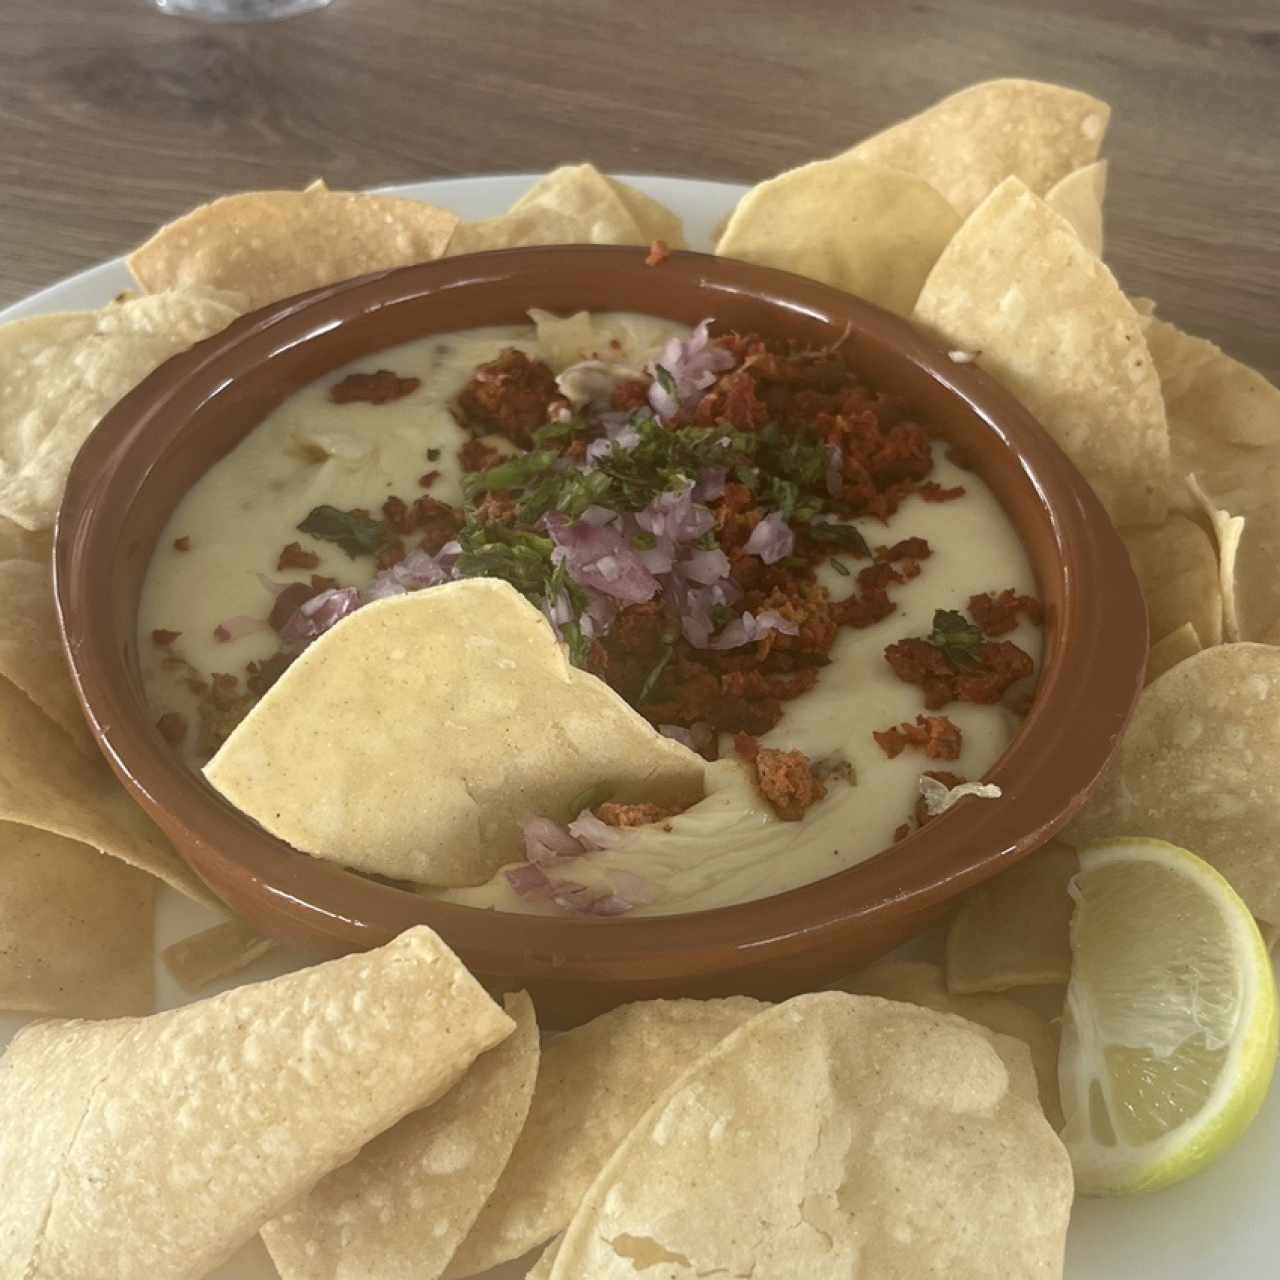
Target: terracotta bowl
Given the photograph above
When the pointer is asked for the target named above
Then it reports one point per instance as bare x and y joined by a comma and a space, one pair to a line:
161, 438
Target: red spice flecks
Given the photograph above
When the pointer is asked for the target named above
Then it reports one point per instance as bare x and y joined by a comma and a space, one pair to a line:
381, 387
658, 254
294, 556
173, 727
997, 664
937, 736
182, 544
746, 746
427, 479
998, 615
162, 639
948, 779
222, 633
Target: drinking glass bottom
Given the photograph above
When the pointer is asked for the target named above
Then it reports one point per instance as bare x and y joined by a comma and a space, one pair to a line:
238, 10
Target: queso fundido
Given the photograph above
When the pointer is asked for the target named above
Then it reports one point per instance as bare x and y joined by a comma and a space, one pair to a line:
779, 568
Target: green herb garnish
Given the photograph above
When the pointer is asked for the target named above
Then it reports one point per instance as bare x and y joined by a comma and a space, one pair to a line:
957, 637
651, 680
356, 532
840, 567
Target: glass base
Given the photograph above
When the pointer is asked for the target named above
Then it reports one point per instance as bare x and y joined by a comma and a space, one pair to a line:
238, 10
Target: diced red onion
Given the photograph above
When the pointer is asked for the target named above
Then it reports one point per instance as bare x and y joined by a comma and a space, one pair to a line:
711, 483
677, 733
599, 557
749, 628
547, 843
591, 833
705, 565
691, 364
771, 540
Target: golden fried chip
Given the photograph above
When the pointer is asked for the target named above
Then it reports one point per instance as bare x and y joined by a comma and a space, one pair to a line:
517, 229
17, 543
1014, 931
45, 782
60, 374
1172, 649
1197, 767
601, 209
1079, 198
1052, 325
399, 1210
834, 1135
968, 143
272, 244
156, 1146
75, 929
1177, 568
1228, 529
871, 231
503, 726
1210, 394
546, 1261
215, 953
31, 655
917, 982
594, 1083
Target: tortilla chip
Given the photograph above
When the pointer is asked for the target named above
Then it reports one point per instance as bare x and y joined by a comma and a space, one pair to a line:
17, 543
1207, 391
1014, 931
871, 231
834, 1135
45, 782
1172, 649
75, 929
272, 244
60, 374
546, 1261
1078, 198
31, 655
968, 143
399, 1210
601, 209
215, 953
1227, 532
594, 1083
1052, 325
1197, 767
156, 1146
1177, 567
1033, 1076
470, 738
512, 230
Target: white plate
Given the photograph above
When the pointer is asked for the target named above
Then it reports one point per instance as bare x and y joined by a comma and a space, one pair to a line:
1222, 1224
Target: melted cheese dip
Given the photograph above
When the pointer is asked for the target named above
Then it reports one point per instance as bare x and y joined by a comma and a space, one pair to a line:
730, 847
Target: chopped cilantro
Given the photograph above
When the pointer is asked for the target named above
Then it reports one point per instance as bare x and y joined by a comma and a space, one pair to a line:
957, 637
356, 532
840, 567
667, 382
433, 455
655, 674
841, 535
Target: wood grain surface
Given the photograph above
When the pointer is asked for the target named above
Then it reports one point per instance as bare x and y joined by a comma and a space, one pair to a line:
116, 117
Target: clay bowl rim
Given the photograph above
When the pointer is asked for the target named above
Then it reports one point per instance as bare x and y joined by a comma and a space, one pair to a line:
1088, 685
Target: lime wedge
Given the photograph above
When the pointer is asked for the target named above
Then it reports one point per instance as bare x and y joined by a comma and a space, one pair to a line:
1169, 1035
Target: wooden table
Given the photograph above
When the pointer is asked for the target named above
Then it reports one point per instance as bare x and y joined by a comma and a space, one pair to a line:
116, 117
